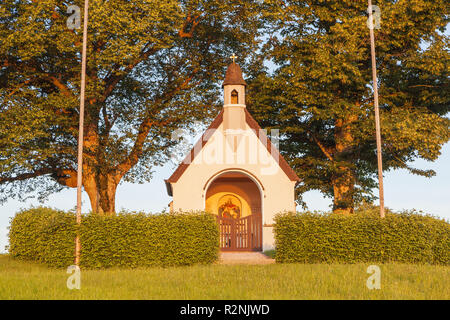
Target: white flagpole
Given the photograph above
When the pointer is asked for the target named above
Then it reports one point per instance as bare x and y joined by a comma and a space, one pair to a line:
80, 130
377, 112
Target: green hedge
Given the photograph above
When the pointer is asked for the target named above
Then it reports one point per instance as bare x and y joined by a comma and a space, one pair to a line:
44, 235
330, 238
124, 240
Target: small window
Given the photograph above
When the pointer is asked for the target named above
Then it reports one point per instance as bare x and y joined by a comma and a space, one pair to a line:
234, 97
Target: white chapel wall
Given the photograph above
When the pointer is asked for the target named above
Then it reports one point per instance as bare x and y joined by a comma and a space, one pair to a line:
250, 155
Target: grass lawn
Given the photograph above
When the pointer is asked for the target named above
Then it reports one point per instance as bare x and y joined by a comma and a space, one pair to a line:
24, 280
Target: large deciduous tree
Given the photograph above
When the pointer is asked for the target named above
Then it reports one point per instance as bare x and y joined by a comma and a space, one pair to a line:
320, 94
153, 65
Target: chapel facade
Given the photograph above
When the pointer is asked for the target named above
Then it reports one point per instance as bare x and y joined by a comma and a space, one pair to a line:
235, 172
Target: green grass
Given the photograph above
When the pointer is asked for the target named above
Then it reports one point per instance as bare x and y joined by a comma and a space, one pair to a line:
25, 280
270, 253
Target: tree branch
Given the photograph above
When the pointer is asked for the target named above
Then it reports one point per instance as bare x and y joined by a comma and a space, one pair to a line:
190, 21
26, 176
114, 79
322, 147
145, 127
62, 87
66, 177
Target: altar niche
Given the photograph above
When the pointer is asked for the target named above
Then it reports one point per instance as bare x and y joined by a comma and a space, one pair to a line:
235, 198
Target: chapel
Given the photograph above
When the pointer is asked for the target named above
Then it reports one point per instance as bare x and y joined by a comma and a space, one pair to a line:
235, 172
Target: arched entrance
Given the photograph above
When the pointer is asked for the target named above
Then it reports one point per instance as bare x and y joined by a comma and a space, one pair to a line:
235, 196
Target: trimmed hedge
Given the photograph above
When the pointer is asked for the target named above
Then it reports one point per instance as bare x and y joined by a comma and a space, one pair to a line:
331, 238
124, 240
44, 235
132, 240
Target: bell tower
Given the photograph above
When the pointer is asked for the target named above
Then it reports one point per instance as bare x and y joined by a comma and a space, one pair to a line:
234, 97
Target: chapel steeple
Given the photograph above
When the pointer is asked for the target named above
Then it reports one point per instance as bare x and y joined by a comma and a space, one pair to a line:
234, 75
234, 85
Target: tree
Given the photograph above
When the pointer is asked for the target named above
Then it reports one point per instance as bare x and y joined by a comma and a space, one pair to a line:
152, 66
320, 94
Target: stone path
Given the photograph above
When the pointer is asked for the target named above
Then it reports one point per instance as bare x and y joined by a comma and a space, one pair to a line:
244, 258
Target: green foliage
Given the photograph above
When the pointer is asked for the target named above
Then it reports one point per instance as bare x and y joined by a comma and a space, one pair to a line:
320, 92
125, 240
331, 238
270, 253
43, 234
152, 67
143, 240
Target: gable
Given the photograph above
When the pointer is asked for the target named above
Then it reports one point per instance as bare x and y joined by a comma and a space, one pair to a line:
251, 122
290, 173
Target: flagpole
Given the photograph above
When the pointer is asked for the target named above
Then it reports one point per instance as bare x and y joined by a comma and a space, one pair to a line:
81, 131
377, 111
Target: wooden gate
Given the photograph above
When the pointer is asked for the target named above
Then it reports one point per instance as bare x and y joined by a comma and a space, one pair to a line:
244, 234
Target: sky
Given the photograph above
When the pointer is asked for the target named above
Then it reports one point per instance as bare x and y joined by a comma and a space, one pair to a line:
402, 191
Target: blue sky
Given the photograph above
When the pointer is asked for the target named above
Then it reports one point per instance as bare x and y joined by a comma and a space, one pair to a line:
402, 191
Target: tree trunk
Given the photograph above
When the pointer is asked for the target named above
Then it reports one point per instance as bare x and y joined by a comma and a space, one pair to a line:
343, 188
107, 193
100, 186
344, 177
90, 186
102, 193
